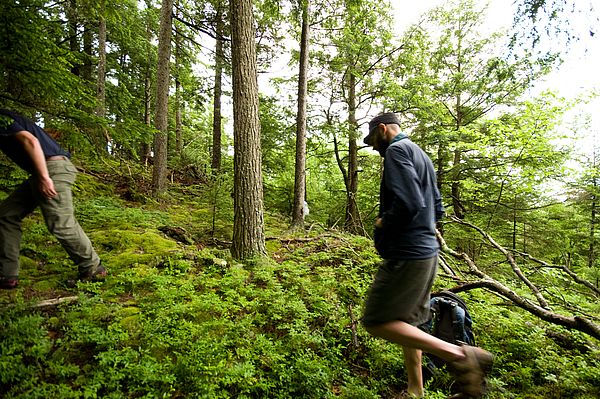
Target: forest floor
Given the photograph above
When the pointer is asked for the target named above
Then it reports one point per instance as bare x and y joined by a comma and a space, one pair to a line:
177, 317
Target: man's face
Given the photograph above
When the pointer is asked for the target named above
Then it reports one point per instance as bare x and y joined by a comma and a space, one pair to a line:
380, 141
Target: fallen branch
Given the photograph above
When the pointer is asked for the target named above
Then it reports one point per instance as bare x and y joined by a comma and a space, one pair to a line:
565, 269
541, 300
55, 301
485, 281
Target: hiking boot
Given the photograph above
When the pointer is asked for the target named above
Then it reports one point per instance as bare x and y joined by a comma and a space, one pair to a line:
470, 371
406, 395
93, 274
8, 283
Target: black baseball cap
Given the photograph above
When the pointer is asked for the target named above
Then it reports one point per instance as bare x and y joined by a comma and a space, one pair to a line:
385, 118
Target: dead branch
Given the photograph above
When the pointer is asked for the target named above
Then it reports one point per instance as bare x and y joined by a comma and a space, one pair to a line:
563, 268
485, 281
55, 301
511, 260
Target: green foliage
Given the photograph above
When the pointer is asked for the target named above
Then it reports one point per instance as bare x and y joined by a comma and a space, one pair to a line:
178, 320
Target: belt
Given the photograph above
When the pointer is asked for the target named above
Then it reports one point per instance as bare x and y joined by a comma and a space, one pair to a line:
56, 158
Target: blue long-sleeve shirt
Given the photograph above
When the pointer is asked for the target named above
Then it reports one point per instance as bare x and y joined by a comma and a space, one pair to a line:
410, 203
13, 124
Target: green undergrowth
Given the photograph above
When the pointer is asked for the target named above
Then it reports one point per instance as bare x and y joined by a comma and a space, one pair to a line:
178, 318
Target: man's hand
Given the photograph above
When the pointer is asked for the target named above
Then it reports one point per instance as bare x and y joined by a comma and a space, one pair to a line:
379, 223
32, 147
46, 187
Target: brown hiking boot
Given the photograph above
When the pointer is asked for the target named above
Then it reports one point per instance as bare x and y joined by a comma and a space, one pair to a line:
93, 274
470, 371
8, 283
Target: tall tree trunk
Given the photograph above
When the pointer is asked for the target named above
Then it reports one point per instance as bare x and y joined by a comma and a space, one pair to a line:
86, 69
592, 246
104, 139
146, 148
178, 118
101, 76
217, 91
161, 121
441, 174
248, 224
300, 172
73, 23
353, 222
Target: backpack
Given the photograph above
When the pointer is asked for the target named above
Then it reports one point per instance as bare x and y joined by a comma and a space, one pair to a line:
450, 321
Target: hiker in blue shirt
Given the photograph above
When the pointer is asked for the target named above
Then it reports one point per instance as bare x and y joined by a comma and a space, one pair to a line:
405, 237
49, 187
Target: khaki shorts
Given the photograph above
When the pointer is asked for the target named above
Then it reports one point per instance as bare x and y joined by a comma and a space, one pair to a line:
401, 291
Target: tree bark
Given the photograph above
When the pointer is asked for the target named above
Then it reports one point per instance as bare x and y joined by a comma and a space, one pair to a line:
217, 92
71, 13
101, 78
248, 233
300, 171
145, 147
161, 122
86, 69
353, 222
178, 102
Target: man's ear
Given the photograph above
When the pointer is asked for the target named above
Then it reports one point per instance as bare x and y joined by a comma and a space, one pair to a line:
383, 131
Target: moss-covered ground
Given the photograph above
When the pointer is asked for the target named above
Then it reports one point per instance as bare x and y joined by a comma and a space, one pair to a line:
178, 318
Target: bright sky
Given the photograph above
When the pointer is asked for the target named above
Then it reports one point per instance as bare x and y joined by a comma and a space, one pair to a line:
580, 72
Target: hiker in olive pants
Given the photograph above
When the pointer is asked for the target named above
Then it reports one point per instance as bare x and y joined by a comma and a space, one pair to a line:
49, 187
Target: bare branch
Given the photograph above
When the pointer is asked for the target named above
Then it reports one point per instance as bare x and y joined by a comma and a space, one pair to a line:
541, 300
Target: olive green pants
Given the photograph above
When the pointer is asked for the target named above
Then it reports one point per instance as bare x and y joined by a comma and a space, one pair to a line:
58, 215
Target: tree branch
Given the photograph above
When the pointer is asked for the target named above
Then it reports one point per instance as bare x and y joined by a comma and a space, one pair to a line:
541, 300
485, 281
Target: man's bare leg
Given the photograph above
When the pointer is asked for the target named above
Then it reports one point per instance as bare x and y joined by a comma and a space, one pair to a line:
410, 336
469, 364
414, 371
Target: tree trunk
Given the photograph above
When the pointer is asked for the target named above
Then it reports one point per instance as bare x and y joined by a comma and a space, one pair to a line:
300, 172
161, 122
455, 187
73, 23
248, 224
86, 69
219, 59
101, 76
103, 137
592, 246
178, 117
353, 223
146, 148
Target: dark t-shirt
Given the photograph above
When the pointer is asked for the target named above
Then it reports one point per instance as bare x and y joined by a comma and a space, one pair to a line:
410, 203
10, 124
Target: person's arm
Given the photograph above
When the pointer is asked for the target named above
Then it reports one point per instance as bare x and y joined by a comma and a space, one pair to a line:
32, 146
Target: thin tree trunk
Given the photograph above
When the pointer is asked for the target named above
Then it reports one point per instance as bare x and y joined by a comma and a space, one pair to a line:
161, 122
300, 172
353, 222
104, 138
219, 59
248, 224
146, 148
86, 69
101, 78
592, 246
73, 42
178, 118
